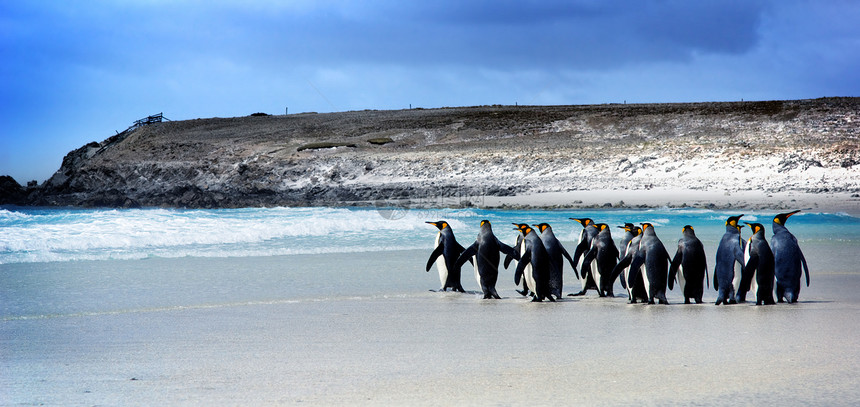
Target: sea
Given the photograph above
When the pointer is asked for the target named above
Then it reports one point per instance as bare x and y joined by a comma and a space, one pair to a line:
69, 261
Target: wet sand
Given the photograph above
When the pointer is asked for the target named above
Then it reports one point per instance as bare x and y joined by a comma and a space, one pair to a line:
404, 345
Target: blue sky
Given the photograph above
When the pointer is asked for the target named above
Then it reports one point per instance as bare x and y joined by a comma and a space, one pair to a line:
77, 71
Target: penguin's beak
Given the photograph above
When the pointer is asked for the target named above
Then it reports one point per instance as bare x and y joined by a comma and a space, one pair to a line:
578, 220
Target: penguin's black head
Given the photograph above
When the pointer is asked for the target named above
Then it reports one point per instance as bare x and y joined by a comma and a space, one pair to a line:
636, 230
524, 228
782, 217
583, 221
542, 226
485, 222
688, 229
602, 226
646, 225
756, 227
733, 221
628, 226
441, 224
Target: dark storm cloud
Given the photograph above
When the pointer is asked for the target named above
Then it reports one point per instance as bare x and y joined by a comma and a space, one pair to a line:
579, 35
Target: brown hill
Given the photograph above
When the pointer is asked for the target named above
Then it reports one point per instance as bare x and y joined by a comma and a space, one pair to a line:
440, 157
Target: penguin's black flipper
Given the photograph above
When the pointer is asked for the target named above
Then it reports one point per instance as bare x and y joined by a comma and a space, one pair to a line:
716, 282
624, 263
466, 255
435, 255
516, 248
634, 275
570, 260
508, 251
673, 268
521, 267
805, 267
747, 273
580, 250
461, 249
590, 255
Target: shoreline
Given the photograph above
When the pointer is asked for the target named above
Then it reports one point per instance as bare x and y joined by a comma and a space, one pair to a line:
836, 202
679, 198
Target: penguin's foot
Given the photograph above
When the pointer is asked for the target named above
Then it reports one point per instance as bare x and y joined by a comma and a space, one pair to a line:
536, 299
686, 300
576, 294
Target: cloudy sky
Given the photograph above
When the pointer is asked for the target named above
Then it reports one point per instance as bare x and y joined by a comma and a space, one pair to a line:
78, 71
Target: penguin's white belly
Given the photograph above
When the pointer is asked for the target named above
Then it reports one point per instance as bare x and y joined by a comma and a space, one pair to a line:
440, 263
477, 274
682, 279
596, 273
528, 278
645, 280
736, 280
626, 272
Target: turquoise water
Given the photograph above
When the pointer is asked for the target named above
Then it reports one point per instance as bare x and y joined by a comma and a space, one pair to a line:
52, 235
56, 262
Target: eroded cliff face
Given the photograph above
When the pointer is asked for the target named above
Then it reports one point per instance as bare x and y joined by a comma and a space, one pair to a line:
439, 155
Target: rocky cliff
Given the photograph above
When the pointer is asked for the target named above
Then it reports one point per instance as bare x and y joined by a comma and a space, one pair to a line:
442, 156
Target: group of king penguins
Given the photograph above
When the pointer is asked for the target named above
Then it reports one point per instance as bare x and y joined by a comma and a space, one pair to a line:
644, 265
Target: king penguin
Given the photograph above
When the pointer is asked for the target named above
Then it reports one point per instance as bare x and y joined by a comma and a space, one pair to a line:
635, 287
629, 234
519, 280
729, 262
589, 231
485, 253
536, 256
602, 257
758, 266
787, 259
653, 255
445, 253
557, 254
689, 266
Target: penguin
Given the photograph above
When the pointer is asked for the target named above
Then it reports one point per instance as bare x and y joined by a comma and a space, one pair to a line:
635, 287
653, 255
485, 253
589, 231
556, 254
630, 231
689, 266
788, 258
729, 260
602, 258
758, 271
445, 255
535, 255
519, 280
628, 235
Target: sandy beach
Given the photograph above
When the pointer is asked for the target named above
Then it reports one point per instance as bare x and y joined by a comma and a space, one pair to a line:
362, 343
679, 198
